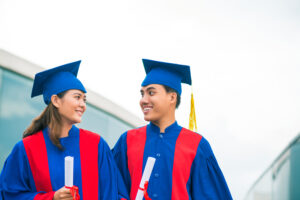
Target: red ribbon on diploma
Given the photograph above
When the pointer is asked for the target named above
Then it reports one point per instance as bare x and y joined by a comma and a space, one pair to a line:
74, 192
145, 191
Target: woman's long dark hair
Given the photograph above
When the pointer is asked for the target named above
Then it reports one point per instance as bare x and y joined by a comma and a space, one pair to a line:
50, 118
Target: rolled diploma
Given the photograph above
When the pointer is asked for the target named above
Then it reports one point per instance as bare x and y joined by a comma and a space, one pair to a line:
69, 164
146, 176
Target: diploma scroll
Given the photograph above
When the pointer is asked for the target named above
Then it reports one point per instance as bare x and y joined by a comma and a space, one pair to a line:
69, 165
145, 178
69, 171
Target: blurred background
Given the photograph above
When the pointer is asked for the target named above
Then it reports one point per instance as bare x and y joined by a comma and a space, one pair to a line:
244, 58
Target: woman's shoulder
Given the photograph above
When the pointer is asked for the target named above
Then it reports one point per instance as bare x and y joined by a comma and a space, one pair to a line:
33, 137
19, 146
18, 151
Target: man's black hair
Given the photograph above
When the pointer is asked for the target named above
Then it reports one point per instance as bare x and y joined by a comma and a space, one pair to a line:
169, 90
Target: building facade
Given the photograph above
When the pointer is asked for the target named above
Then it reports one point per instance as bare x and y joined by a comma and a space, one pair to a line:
281, 181
18, 109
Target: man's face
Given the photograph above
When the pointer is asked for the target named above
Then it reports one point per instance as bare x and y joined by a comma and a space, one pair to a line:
155, 102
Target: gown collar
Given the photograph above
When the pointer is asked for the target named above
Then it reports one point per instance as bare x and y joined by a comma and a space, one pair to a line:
73, 132
169, 129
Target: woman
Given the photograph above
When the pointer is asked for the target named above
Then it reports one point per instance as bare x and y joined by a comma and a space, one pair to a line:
35, 167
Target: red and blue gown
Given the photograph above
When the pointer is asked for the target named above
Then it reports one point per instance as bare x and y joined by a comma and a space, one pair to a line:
185, 166
35, 168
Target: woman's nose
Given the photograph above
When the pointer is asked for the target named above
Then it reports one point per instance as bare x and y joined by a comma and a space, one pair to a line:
82, 103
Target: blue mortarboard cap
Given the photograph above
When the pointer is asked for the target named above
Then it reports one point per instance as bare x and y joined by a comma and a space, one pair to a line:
168, 74
57, 80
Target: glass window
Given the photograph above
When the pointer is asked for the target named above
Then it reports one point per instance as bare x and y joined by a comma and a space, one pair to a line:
17, 110
275, 183
295, 171
262, 189
281, 180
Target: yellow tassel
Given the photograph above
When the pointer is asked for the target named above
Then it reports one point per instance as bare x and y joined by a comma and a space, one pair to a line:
192, 120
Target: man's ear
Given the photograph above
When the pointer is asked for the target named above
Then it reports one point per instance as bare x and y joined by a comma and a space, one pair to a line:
173, 97
55, 100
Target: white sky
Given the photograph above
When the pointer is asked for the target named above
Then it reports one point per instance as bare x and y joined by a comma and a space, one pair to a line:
244, 58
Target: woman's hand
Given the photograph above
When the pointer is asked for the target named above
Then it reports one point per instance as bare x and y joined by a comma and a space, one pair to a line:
63, 194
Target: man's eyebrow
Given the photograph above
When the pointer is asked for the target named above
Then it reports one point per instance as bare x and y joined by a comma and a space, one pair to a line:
77, 93
150, 88
147, 89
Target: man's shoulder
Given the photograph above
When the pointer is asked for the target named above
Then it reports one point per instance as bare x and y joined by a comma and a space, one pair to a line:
137, 130
131, 134
87, 133
191, 134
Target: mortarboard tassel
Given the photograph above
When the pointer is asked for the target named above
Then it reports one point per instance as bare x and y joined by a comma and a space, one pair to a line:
192, 119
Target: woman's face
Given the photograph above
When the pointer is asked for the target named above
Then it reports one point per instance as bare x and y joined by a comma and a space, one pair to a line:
71, 106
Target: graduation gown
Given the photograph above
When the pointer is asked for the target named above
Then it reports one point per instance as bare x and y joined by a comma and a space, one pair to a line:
35, 168
185, 166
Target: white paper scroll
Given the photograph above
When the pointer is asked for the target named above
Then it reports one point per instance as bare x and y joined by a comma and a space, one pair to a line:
146, 176
69, 165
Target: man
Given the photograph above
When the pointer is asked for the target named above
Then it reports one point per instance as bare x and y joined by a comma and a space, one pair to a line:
185, 166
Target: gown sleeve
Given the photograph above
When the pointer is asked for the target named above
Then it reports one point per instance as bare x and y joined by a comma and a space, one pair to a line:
207, 180
16, 180
120, 156
110, 181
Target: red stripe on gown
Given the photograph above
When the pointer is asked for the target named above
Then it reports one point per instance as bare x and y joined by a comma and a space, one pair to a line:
36, 151
136, 140
88, 142
185, 152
